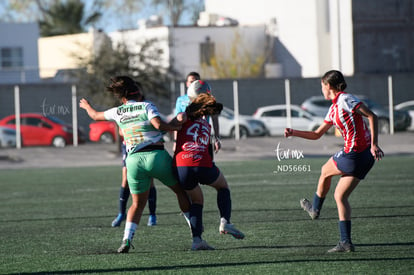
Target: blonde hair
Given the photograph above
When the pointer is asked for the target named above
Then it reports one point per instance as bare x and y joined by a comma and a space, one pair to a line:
203, 105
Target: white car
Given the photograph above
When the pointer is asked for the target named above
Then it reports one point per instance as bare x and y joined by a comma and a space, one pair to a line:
248, 126
7, 137
409, 107
275, 119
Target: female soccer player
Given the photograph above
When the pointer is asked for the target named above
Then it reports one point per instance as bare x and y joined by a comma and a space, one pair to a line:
353, 162
124, 190
142, 128
195, 165
124, 195
183, 101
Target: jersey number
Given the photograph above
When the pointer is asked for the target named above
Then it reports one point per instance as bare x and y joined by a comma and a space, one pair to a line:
133, 135
199, 133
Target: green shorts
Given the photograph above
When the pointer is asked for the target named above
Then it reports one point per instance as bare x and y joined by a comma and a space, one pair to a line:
142, 166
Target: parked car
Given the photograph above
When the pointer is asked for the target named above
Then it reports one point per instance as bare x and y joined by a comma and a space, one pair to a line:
37, 129
7, 137
103, 131
318, 105
248, 126
275, 118
409, 107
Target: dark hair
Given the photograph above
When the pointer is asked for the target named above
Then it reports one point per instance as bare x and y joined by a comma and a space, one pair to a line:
203, 105
140, 91
124, 86
335, 79
194, 74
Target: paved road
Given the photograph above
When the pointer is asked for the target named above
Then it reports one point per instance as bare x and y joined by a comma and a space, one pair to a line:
246, 149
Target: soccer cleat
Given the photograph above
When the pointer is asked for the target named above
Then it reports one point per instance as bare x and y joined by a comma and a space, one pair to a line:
307, 206
203, 245
343, 247
124, 248
118, 220
152, 220
228, 228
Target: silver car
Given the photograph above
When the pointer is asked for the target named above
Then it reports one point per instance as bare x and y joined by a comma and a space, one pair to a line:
248, 126
409, 107
7, 137
319, 106
275, 118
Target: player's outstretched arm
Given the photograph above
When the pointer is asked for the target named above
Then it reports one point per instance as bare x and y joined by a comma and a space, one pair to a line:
313, 135
177, 121
84, 104
159, 124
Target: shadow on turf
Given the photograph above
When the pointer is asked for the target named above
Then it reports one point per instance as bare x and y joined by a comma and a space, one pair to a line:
177, 267
110, 217
319, 246
89, 218
241, 210
386, 244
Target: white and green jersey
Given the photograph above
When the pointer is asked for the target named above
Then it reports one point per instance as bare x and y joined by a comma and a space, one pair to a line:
134, 119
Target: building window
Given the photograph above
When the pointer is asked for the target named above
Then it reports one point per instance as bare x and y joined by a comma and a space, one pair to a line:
11, 57
206, 51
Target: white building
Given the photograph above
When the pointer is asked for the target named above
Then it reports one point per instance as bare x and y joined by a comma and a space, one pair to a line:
192, 48
62, 52
312, 35
296, 38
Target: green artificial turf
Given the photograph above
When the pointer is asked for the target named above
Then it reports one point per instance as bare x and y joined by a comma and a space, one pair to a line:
57, 221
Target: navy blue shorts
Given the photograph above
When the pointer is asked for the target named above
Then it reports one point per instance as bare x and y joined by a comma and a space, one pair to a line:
124, 155
190, 176
353, 163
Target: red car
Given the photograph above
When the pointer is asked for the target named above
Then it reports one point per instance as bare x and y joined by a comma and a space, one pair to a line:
103, 131
106, 131
37, 129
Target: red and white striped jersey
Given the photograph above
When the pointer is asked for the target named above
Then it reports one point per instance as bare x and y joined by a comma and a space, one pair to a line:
343, 115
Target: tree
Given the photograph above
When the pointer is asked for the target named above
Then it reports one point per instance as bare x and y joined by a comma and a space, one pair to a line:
19, 11
54, 17
176, 9
66, 18
238, 63
125, 12
142, 65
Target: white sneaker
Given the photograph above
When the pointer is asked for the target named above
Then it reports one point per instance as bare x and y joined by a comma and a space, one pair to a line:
203, 245
228, 228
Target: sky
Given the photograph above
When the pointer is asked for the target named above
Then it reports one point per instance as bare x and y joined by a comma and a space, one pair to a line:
110, 24
109, 21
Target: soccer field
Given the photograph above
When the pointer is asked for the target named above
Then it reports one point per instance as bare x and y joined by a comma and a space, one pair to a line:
57, 221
